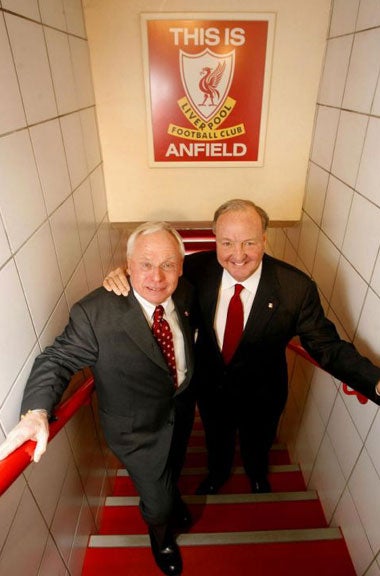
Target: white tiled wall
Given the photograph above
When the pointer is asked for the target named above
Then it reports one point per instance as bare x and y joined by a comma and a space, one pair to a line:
56, 244
335, 438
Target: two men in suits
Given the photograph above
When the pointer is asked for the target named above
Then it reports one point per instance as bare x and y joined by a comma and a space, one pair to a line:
146, 406
246, 394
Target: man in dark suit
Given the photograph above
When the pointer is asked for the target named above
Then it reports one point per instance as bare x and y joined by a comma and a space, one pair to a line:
146, 405
246, 392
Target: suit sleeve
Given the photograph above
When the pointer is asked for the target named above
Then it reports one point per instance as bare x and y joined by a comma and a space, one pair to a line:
340, 358
74, 349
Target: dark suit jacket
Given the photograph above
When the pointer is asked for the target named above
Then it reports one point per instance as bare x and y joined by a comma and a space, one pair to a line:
135, 390
287, 304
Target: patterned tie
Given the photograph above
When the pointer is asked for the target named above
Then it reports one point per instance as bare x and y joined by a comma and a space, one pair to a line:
163, 334
234, 325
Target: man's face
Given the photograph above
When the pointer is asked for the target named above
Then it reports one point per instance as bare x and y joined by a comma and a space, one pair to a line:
240, 242
155, 265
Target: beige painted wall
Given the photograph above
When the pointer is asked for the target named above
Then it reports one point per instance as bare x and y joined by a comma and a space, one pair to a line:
138, 192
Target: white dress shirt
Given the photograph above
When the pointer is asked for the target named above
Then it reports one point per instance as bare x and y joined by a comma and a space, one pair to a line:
170, 315
226, 291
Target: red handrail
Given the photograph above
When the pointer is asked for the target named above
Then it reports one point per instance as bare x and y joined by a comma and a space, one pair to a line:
15, 463
296, 347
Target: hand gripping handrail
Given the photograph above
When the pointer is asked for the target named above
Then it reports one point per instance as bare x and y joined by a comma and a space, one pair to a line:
298, 349
15, 463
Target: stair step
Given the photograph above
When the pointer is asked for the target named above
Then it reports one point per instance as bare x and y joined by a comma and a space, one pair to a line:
316, 558
220, 538
121, 515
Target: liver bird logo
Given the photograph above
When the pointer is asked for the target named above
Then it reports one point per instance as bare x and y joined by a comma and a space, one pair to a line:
209, 83
207, 94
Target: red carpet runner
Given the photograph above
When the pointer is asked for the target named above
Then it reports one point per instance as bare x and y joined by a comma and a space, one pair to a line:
234, 533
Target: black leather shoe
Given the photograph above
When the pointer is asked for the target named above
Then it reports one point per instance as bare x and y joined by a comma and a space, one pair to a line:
182, 519
167, 557
208, 486
260, 486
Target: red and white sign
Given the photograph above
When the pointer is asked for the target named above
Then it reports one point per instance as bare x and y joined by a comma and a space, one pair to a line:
207, 82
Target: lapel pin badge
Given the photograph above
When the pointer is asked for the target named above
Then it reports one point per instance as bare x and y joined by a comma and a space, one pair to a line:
270, 305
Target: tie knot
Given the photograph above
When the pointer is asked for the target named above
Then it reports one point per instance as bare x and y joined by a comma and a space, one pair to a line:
158, 313
238, 289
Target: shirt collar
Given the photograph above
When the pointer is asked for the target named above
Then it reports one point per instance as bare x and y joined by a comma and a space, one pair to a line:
149, 308
250, 283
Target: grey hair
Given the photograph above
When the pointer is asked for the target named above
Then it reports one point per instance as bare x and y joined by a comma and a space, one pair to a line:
239, 204
151, 228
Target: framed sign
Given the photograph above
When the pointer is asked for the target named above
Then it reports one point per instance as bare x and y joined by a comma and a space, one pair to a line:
207, 87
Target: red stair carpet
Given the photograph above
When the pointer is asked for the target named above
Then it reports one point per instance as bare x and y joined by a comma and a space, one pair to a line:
234, 533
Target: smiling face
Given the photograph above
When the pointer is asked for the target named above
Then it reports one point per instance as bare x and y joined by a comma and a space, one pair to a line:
240, 242
154, 266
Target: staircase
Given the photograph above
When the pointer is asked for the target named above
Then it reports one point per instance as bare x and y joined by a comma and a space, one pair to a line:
234, 533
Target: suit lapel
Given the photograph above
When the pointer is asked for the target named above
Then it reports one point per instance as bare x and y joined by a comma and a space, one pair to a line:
265, 303
138, 329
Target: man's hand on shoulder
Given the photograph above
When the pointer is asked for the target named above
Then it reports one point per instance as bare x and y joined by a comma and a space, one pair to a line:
34, 426
116, 281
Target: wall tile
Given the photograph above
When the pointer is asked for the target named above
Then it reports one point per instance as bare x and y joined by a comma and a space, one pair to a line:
361, 249
8, 504
5, 251
375, 280
327, 478
98, 194
55, 324
77, 286
349, 146
324, 394
21, 199
74, 146
369, 14
18, 339
51, 163
10, 411
347, 518
37, 261
343, 17
52, 13
308, 241
62, 71
29, 50
82, 71
363, 484
344, 437
348, 296
363, 71
12, 114
368, 182
52, 562
336, 210
367, 338
104, 246
66, 239
335, 71
74, 17
324, 136
29, 528
361, 414
67, 513
47, 477
315, 194
376, 101
325, 265
90, 137
28, 8
93, 265
372, 443
85, 213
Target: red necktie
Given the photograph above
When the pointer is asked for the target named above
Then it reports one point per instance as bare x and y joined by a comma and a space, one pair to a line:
234, 325
163, 334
